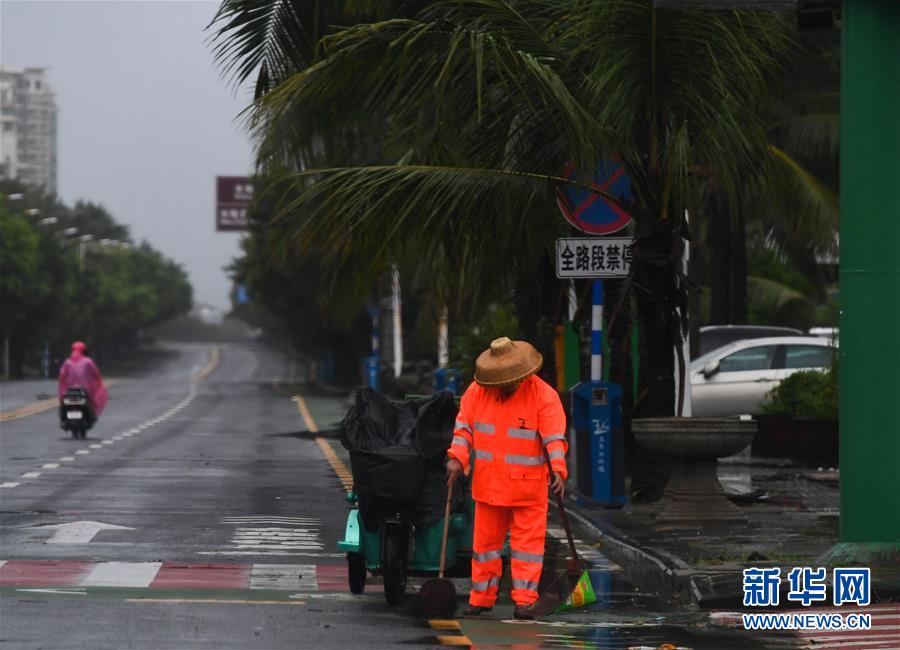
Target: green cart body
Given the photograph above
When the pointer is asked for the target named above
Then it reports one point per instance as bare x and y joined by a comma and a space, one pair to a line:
394, 556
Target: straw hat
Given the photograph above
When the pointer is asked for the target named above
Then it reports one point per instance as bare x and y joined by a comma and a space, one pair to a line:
507, 362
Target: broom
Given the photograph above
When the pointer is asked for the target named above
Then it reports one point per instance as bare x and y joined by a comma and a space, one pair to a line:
437, 597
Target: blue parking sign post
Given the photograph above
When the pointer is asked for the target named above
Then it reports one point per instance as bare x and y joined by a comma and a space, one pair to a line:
372, 363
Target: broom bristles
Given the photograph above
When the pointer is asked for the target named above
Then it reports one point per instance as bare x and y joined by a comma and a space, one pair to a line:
437, 598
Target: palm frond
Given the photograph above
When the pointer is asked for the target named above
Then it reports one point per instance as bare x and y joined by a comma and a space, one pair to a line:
803, 209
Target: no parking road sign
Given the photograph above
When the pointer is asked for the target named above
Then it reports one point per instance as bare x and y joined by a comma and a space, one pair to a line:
593, 257
594, 211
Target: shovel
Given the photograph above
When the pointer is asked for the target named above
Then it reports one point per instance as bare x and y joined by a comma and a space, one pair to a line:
557, 590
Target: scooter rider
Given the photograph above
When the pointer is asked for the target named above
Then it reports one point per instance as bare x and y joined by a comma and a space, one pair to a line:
80, 371
507, 419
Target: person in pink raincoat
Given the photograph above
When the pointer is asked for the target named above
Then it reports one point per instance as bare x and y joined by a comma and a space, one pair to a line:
80, 371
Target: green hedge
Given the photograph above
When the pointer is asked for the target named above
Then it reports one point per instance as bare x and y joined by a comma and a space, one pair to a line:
806, 394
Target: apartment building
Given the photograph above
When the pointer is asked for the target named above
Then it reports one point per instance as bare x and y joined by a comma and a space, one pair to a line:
27, 127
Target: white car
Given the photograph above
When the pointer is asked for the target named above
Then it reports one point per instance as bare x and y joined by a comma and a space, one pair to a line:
734, 379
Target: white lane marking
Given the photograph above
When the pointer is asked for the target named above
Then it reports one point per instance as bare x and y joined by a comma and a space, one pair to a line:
82, 452
595, 558
122, 574
31, 474
287, 577
96, 446
333, 596
67, 592
76, 532
9, 484
2, 562
279, 553
50, 466
274, 535
118, 437
270, 519
67, 459
108, 442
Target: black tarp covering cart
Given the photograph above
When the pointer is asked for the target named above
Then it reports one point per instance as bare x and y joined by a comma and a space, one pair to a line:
398, 456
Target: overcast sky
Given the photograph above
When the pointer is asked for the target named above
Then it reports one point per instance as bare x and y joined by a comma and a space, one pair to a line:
145, 121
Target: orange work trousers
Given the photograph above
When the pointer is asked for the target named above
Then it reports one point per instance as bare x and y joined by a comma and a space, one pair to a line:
527, 526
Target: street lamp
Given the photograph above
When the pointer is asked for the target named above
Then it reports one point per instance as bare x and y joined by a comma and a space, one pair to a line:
48, 221
33, 212
68, 232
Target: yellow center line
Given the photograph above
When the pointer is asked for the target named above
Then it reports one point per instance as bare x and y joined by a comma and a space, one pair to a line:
217, 601
214, 359
443, 624
38, 407
454, 640
336, 463
305, 414
339, 467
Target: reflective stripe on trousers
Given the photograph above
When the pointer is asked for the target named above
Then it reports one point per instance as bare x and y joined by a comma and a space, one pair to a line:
527, 526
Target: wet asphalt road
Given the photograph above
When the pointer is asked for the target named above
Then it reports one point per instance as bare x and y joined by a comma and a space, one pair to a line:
216, 519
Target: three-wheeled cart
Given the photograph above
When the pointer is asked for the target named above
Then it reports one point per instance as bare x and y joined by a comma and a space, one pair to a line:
398, 456
400, 548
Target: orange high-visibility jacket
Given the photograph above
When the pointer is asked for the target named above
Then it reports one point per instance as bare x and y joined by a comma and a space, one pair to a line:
508, 437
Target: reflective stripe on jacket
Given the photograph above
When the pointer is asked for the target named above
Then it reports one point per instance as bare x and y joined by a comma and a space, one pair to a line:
506, 440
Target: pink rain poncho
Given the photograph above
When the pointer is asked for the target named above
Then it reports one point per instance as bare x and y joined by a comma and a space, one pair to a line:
79, 371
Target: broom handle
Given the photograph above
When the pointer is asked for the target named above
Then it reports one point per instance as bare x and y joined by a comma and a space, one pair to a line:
562, 513
446, 530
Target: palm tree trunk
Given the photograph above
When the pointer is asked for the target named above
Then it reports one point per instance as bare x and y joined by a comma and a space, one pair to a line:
656, 296
728, 282
539, 298
655, 285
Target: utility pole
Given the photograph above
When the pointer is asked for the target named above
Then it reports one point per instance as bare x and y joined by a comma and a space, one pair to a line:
398, 324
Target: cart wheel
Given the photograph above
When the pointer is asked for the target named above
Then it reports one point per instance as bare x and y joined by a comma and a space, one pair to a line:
395, 547
356, 572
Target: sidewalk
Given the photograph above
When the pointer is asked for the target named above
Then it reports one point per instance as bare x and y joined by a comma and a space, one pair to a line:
793, 519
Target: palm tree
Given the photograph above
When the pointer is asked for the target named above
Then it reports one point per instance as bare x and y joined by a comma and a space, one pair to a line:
790, 212
479, 104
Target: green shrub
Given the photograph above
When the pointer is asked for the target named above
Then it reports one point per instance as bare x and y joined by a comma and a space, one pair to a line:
806, 394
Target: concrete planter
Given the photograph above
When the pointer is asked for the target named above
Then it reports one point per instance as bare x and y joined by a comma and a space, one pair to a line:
694, 497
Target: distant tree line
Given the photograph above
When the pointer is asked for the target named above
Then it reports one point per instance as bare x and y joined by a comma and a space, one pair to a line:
58, 285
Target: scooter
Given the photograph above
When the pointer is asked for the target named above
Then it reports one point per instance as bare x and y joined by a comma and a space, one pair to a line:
76, 413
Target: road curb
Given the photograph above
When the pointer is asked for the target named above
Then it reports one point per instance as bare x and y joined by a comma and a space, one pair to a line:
657, 571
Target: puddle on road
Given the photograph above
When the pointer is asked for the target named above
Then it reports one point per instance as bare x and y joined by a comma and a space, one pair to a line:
486, 635
621, 619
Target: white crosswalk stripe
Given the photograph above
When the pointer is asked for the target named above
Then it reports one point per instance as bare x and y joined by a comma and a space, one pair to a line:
596, 559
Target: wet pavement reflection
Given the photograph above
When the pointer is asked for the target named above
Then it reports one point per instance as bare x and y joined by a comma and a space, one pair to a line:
621, 619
